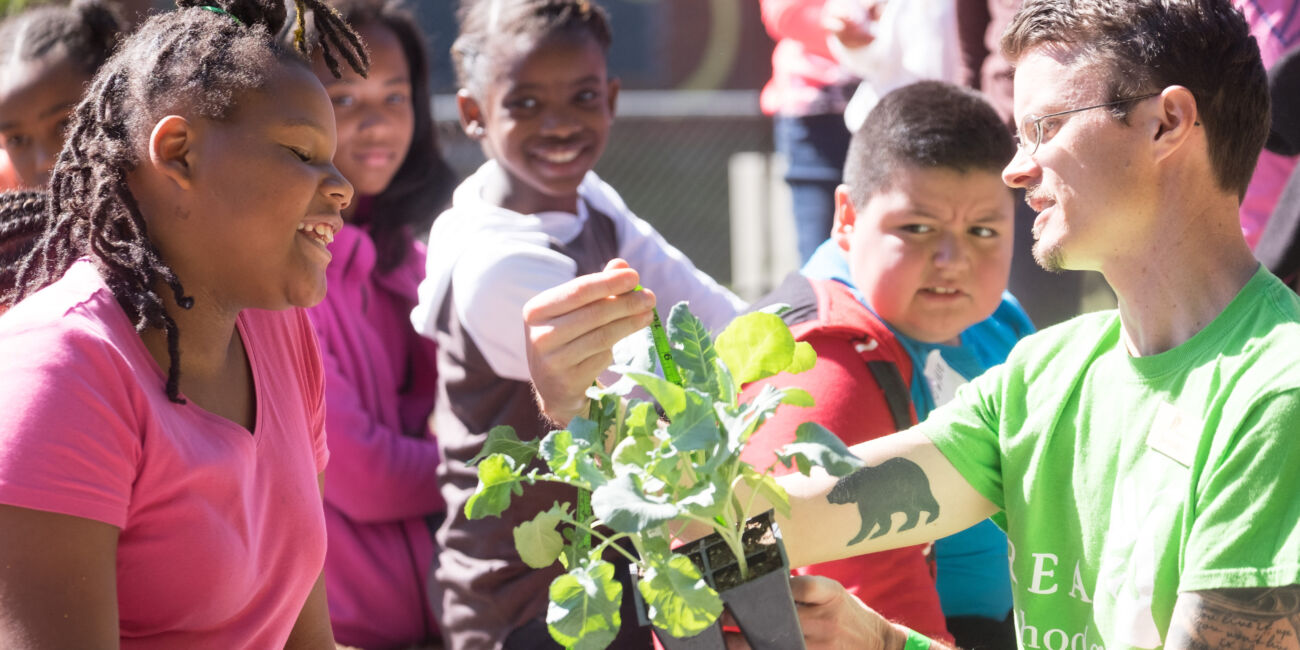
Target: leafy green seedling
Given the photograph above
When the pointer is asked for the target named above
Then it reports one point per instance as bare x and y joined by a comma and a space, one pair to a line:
647, 478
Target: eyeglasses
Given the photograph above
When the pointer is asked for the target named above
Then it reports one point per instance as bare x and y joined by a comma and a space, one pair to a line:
1028, 140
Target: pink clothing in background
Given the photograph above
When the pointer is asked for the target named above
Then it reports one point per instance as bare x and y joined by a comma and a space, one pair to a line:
222, 536
381, 379
8, 177
1276, 27
802, 64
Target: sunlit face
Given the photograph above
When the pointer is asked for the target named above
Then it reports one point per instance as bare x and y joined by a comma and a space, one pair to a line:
931, 252
374, 114
36, 99
264, 198
1084, 177
545, 117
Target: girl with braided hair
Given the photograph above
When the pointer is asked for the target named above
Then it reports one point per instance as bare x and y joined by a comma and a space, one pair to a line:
186, 227
382, 499
21, 220
48, 55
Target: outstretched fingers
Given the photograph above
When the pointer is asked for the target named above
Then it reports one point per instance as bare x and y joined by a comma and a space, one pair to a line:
571, 330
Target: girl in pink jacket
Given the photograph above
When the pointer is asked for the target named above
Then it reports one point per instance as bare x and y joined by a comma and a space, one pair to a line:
381, 496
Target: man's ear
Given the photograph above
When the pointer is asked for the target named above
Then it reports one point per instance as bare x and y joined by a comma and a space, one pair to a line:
846, 217
170, 147
471, 114
612, 91
1177, 118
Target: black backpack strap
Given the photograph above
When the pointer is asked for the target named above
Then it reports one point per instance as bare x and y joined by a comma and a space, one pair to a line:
796, 292
897, 396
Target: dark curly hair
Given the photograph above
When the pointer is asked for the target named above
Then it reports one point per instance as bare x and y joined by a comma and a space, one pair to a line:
196, 59
486, 24
925, 125
423, 184
22, 218
85, 30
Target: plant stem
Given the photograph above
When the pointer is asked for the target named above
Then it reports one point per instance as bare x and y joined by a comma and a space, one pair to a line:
605, 540
584, 496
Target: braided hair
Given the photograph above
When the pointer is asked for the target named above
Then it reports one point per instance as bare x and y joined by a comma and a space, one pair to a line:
486, 24
86, 31
424, 182
196, 59
22, 218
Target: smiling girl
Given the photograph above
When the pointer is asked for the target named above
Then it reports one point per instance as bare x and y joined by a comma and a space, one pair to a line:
163, 435
382, 499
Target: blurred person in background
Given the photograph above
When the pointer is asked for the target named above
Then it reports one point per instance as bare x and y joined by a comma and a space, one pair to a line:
382, 502
47, 56
806, 98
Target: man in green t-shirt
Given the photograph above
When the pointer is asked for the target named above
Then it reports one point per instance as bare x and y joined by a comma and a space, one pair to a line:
1145, 461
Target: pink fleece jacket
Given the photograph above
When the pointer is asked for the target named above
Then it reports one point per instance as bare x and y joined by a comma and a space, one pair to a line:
380, 380
1273, 24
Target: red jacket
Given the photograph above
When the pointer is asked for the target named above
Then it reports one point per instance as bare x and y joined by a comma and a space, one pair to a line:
856, 355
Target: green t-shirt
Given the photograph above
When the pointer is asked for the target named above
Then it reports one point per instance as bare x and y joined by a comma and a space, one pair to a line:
1128, 480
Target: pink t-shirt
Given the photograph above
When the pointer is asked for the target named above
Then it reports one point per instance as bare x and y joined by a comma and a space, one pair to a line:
222, 532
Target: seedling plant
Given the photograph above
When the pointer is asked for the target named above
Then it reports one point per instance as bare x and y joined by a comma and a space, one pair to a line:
641, 478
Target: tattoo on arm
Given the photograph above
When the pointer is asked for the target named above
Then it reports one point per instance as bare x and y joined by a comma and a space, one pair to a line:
1237, 618
896, 485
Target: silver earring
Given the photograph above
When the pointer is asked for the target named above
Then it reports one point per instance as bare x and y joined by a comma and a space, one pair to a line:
478, 130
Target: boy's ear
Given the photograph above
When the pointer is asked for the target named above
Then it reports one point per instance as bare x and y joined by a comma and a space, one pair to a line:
846, 217
170, 146
1177, 118
612, 91
471, 114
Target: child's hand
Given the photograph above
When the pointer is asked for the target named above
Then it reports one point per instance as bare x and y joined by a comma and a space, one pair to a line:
571, 330
851, 21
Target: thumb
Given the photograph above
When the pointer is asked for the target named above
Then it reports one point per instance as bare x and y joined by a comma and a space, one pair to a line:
814, 590
617, 263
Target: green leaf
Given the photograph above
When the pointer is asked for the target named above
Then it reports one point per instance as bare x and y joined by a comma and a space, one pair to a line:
669, 395
702, 499
634, 353
585, 432
805, 357
726, 385
777, 308
797, 397
695, 427
677, 599
498, 479
502, 440
624, 507
640, 420
767, 487
583, 612
538, 542
633, 452
756, 345
741, 422
571, 459
815, 446
693, 350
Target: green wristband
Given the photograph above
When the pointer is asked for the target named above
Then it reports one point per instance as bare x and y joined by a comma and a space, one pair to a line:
916, 641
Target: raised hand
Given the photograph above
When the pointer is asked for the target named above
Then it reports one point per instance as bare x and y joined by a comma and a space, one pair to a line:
571, 330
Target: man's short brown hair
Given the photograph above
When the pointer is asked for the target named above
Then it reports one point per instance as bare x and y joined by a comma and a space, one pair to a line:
1202, 45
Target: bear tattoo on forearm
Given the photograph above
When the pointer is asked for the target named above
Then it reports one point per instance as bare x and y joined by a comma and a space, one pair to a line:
896, 485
